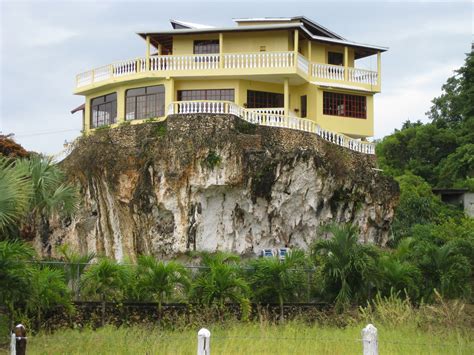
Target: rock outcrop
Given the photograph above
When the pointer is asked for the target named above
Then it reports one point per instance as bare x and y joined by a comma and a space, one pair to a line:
215, 182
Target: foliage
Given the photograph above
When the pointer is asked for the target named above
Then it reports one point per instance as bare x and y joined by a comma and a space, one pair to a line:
15, 274
105, 281
221, 282
33, 189
347, 269
212, 160
9, 148
275, 280
418, 205
51, 193
15, 194
441, 152
47, 290
159, 281
74, 267
160, 130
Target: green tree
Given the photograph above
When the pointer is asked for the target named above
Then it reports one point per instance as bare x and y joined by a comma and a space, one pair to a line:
75, 265
47, 290
398, 276
220, 282
347, 268
51, 193
15, 275
160, 281
275, 280
15, 194
105, 281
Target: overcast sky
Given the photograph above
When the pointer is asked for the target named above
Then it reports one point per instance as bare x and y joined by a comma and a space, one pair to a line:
45, 44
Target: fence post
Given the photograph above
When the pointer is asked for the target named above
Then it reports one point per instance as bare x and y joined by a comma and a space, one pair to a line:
18, 340
204, 342
370, 340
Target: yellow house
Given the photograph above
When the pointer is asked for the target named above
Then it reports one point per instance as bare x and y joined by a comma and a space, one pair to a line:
287, 72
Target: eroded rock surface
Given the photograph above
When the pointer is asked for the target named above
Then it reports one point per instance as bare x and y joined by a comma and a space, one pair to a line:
215, 182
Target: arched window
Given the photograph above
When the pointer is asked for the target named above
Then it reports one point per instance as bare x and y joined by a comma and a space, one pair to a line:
104, 110
146, 102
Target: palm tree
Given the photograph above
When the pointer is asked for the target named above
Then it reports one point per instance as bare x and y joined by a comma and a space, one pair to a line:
160, 281
48, 289
50, 192
275, 280
347, 268
105, 281
15, 193
221, 282
74, 267
398, 276
15, 274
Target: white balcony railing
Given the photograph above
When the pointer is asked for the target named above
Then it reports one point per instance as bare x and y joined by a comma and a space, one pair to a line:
230, 62
269, 110
327, 71
362, 76
269, 118
258, 60
303, 64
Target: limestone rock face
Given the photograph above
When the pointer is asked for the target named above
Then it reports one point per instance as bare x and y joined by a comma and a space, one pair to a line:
215, 182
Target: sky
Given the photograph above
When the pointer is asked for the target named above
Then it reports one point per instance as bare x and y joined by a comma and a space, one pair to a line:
44, 44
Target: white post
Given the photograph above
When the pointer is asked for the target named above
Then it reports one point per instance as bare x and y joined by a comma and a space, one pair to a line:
204, 342
370, 340
13, 344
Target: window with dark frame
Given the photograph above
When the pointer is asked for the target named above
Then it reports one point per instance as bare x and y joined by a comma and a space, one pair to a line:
335, 58
344, 105
145, 102
209, 94
263, 99
104, 110
206, 46
304, 105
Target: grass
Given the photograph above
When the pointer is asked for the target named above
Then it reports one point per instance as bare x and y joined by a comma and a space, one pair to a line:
249, 338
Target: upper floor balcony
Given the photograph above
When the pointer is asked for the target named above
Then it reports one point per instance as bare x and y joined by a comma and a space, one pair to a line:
230, 64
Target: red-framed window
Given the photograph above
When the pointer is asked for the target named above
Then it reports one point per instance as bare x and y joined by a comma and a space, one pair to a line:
344, 105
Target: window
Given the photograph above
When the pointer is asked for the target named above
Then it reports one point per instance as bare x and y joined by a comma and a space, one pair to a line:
213, 94
206, 47
263, 99
145, 102
304, 104
344, 105
335, 58
104, 110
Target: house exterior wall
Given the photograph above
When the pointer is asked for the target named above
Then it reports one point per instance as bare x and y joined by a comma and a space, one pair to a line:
468, 202
354, 127
276, 41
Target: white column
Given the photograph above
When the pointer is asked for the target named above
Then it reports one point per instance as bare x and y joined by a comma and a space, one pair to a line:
147, 54
379, 70
370, 340
346, 63
221, 50
204, 342
286, 95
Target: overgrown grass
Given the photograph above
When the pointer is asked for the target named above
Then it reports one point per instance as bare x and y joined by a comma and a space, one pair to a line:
250, 338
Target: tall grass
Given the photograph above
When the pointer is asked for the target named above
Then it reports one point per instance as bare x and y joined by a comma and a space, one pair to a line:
250, 338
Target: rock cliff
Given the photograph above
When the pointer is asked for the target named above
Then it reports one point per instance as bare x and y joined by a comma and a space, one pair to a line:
215, 182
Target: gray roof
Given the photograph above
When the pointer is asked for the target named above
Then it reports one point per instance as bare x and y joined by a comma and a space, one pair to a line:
316, 27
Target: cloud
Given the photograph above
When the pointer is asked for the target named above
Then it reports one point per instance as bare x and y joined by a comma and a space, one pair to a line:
410, 98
